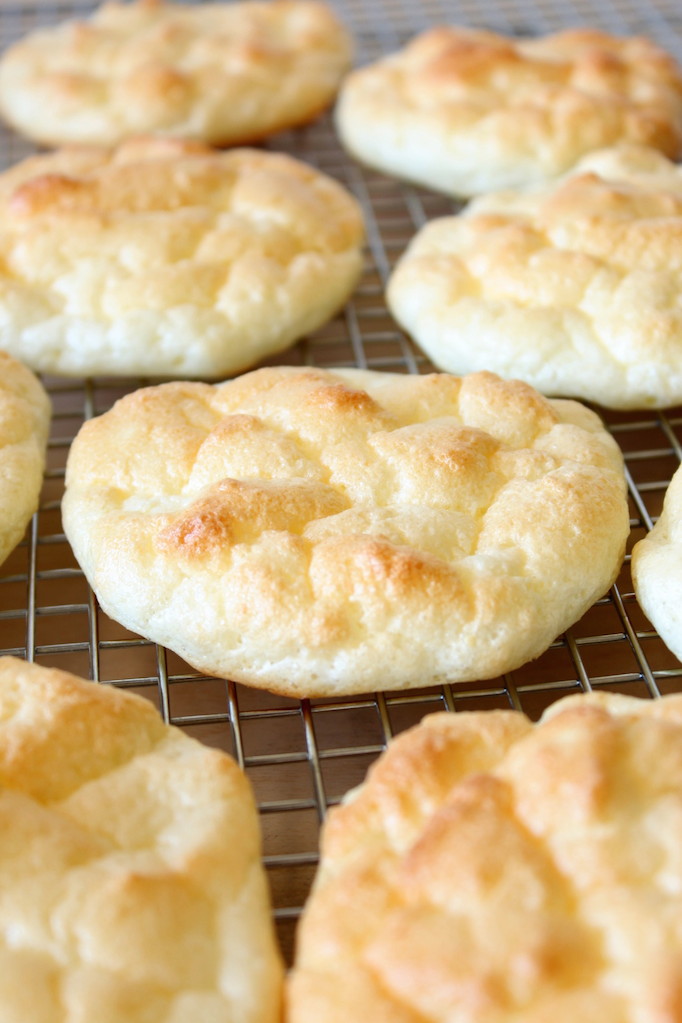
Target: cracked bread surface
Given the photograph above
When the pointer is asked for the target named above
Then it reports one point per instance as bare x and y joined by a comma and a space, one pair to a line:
131, 886
494, 869
222, 73
573, 287
323, 532
657, 569
466, 112
167, 258
24, 424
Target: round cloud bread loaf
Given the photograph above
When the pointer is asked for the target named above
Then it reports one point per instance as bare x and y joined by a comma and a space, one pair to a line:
318, 533
494, 870
166, 258
222, 73
657, 569
24, 424
466, 111
573, 287
131, 886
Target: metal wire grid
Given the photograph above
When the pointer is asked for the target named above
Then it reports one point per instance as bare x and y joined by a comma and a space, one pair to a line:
302, 757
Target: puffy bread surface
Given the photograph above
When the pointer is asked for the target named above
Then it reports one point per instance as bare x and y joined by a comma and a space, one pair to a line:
24, 424
166, 258
657, 569
494, 870
323, 532
131, 886
573, 287
224, 73
465, 111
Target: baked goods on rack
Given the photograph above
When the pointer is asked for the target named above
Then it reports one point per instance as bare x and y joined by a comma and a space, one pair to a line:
467, 111
167, 258
657, 569
224, 73
131, 886
24, 424
574, 287
325, 532
494, 869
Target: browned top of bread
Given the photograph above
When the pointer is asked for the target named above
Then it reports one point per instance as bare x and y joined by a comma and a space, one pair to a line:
467, 111
493, 869
573, 286
338, 531
167, 257
226, 73
131, 886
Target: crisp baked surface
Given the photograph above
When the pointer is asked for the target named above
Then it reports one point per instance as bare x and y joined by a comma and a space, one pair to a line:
466, 111
24, 424
574, 287
657, 569
318, 532
131, 886
167, 258
494, 870
225, 73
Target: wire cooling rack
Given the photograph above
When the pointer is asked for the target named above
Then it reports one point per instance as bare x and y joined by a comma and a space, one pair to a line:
302, 757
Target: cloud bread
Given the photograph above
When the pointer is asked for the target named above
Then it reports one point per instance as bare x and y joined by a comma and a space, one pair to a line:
131, 886
24, 425
490, 869
167, 258
322, 532
466, 111
657, 569
573, 287
223, 73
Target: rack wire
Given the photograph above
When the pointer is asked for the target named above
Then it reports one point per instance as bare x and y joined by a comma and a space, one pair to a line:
303, 756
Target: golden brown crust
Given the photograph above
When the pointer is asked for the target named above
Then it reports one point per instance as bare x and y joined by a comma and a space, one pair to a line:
224, 73
573, 286
324, 532
467, 111
24, 425
131, 887
165, 257
489, 868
